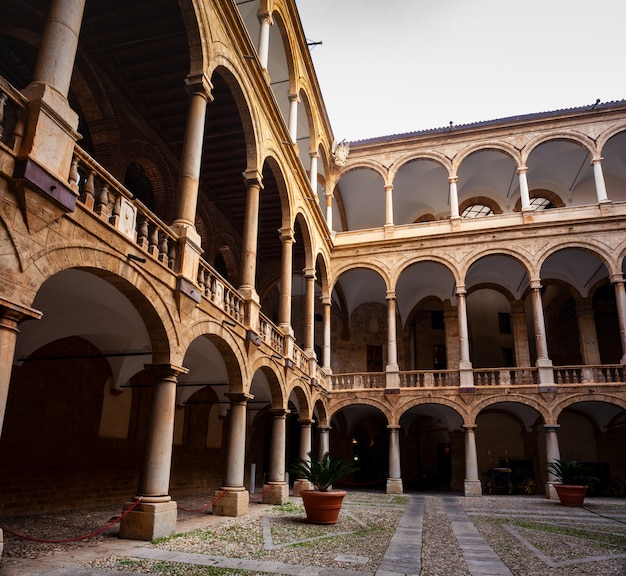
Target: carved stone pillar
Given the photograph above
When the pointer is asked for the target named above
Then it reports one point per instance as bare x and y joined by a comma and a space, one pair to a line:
552, 455
313, 171
284, 306
309, 313
599, 180
248, 262
305, 448
465, 366
520, 334
454, 197
329, 210
620, 302
234, 501
326, 303
11, 315
544, 364
265, 19
324, 440
523, 188
293, 117
394, 481
472, 482
155, 516
388, 204
276, 491
199, 89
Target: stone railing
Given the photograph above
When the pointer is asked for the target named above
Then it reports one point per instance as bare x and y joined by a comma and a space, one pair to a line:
102, 194
358, 381
429, 378
271, 335
12, 105
589, 374
506, 376
217, 290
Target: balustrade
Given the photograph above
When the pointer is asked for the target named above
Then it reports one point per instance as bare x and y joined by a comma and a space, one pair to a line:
218, 291
589, 374
358, 381
12, 106
429, 379
506, 377
103, 195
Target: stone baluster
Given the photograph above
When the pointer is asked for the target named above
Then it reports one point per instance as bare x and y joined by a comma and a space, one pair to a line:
102, 201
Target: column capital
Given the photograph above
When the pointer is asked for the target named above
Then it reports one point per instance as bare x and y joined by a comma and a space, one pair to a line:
522, 170
390, 295
309, 273
314, 154
324, 428
253, 178
388, 187
201, 85
293, 98
287, 235
469, 427
305, 422
279, 412
453, 179
166, 371
460, 289
16, 313
535, 285
326, 301
265, 16
596, 160
239, 397
393, 427
617, 278
551, 427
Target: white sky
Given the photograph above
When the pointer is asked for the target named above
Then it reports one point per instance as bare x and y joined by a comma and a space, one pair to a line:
395, 66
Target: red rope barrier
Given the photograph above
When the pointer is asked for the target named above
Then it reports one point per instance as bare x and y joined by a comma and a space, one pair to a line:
269, 487
76, 539
204, 507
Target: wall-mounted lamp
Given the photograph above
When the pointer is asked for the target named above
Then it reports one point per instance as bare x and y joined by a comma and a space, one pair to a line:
136, 258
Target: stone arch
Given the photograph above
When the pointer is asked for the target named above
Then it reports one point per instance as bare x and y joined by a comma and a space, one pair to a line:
504, 147
336, 406
578, 138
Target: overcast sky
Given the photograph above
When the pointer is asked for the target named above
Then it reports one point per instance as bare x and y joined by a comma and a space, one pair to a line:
395, 66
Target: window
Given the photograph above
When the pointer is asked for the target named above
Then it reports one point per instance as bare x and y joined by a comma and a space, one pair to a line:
477, 211
374, 358
539, 203
504, 321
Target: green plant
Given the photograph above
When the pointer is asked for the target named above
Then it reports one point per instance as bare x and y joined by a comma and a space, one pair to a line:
322, 473
571, 473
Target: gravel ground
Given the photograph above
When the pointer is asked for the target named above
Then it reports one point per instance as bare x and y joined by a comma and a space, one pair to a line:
532, 535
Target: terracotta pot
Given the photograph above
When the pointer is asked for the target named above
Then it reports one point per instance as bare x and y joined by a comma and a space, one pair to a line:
322, 507
571, 495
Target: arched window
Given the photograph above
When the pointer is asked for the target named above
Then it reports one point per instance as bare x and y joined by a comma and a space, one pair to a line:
476, 211
539, 203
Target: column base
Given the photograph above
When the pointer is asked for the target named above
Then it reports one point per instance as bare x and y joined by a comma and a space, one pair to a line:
473, 488
149, 521
1, 544
300, 486
233, 502
394, 486
551, 492
275, 493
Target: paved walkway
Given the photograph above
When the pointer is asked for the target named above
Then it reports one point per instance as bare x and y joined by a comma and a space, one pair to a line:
403, 555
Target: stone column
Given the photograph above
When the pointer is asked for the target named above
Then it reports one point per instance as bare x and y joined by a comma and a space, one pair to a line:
326, 303
392, 371
552, 455
454, 197
199, 88
329, 210
276, 491
11, 315
472, 482
265, 19
388, 204
309, 313
523, 188
620, 302
394, 481
284, 307
313, 171
293, 117
465, 366
324, 440
520, 334
234, 501
155, 517
587, 331
544, 364
451, 323
248, 262
305, 448
599, 180
51, 128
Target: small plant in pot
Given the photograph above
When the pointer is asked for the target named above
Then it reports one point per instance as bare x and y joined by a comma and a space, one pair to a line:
573, 480
322, 504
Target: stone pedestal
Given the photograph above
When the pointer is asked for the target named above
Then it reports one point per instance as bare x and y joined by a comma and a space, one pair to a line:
473, 488
275, 493
149, 521
551, 491
233, 502
301, 485
394, 486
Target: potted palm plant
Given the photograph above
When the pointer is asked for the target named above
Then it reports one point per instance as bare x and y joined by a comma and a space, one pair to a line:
323, 504
573, 480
